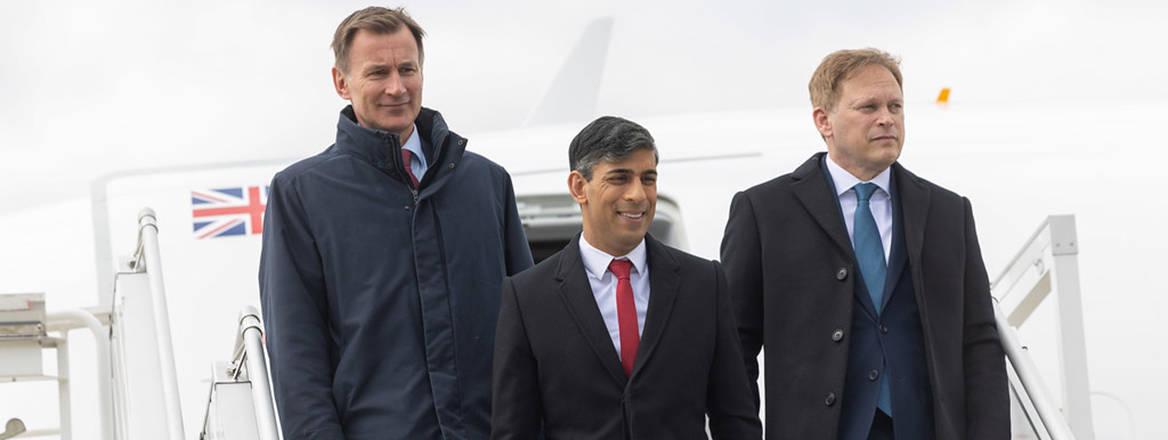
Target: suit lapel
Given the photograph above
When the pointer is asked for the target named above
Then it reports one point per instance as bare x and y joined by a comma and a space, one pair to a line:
664, 282
577, 295
897, 257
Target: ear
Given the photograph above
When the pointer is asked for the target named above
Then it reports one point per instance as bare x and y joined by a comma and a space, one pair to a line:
576, 185
341, 83
822, 122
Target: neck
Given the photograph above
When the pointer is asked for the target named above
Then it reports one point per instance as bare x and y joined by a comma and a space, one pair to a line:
613, 249
863, 173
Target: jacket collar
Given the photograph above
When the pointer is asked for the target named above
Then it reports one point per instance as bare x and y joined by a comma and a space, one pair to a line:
443, 148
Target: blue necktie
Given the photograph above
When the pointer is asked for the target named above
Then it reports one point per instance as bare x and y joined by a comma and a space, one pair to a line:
870, 256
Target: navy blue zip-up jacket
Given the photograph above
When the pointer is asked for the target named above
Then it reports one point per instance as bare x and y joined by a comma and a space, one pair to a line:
380, 301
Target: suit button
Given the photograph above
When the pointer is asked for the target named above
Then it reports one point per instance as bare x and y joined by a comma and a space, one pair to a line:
829, 400
841, 274
873, 375
883, 329
837, 335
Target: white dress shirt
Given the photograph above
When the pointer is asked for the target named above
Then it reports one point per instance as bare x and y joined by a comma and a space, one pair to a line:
418, 163
603, 285
880, 203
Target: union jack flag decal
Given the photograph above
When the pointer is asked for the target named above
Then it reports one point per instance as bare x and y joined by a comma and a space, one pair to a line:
226, 212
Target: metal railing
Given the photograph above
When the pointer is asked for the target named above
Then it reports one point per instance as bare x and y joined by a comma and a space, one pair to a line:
1047, 263
147, 259
226, 416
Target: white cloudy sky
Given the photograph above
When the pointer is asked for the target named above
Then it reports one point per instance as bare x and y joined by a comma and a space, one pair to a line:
88, 88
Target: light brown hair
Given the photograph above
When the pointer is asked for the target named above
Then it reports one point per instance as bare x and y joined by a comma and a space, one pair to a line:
839, 66
377, 20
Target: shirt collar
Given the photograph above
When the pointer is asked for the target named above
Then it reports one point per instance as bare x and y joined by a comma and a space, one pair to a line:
596, 261
414, 144
844, 180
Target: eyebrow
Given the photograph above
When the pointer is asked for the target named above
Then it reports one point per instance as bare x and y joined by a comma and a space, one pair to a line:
628, 171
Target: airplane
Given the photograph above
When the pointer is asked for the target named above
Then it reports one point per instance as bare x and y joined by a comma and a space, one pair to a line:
1017, 164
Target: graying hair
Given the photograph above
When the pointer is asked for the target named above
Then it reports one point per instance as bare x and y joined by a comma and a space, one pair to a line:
607, 139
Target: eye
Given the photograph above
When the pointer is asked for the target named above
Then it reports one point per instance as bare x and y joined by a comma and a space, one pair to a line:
649, 180
896, 107
618, 179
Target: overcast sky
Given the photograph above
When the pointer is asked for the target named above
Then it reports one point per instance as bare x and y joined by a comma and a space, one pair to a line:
88, 88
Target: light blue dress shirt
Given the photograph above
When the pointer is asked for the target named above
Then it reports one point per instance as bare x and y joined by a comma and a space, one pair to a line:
418, 163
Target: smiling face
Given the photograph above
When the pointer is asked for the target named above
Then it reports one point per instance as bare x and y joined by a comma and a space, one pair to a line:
619, 202
865, 131
384, 81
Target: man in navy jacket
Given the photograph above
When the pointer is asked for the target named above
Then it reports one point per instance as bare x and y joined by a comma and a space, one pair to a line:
383, 256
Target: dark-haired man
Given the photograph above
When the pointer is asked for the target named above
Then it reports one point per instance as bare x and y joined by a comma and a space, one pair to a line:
618, 336
383, 256
865, 282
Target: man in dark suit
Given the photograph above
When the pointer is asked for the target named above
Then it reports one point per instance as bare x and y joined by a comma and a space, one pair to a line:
865, 282
618, 336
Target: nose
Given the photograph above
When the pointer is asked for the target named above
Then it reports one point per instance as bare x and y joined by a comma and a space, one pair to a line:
635, 192
886, 118
394, 85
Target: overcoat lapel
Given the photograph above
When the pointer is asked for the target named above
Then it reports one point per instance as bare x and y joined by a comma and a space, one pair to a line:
914, 207
577, 295
808, 183
816, 191
897, 257
664, 282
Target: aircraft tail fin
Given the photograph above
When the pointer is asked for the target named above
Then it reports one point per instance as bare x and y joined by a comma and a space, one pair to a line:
943, 97
574, 92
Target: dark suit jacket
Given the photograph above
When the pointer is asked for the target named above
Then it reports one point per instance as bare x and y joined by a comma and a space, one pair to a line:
788, 256
555, 367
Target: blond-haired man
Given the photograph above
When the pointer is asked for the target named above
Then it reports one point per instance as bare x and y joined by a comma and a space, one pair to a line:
864, 282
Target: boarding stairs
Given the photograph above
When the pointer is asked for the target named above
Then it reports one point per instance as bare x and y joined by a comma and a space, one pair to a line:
137, 388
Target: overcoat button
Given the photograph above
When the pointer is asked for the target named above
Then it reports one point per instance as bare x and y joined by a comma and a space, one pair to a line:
837, 335
830, 400
841, 274
884, 329
873, 375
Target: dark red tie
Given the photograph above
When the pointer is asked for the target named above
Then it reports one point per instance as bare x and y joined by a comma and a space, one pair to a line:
407, 159
626, 313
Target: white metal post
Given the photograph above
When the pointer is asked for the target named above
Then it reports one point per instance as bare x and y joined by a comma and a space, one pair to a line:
64, 401
102, 351
257, 370
149, 253
1071, 336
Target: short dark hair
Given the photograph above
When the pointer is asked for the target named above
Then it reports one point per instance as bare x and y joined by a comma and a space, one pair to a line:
377, 20
609, 139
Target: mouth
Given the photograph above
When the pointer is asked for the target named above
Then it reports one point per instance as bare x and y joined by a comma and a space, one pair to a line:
633, 216
884, 138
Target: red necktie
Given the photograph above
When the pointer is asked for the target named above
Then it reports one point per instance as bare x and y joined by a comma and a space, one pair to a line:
626, 312
407, 159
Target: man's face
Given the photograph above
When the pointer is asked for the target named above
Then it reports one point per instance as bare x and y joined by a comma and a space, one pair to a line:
619, 202
865, 132
384, 81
